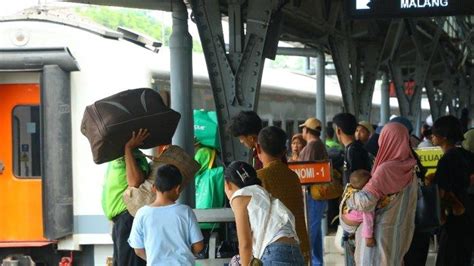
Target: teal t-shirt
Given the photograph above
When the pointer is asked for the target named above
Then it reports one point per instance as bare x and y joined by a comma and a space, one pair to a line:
116, 183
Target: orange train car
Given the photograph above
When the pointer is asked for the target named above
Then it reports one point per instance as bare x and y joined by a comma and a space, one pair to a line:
50, 189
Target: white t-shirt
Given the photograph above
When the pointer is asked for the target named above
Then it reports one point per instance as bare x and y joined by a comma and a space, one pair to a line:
166, 233
269, 218
425, 143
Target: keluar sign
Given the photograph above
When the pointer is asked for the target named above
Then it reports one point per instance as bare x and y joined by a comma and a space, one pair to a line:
429, 158
312, 172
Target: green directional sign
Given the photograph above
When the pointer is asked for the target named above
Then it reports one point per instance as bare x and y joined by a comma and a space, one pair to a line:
408, 8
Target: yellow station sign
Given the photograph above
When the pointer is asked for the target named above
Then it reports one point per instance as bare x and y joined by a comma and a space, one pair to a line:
429, 158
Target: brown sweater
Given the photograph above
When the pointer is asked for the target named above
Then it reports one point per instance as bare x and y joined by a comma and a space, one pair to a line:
315, 150
284, 185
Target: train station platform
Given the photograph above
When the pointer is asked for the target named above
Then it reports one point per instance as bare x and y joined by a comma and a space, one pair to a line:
335, 257
332, 255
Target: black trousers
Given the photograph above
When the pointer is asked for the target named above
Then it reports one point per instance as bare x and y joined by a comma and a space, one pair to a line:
124, 255
456, 242
418, 252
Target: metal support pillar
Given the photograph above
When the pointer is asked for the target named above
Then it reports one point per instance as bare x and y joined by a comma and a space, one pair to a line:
388, 57
385, 101
356, 78
463, 90
410, 106
451, 82
419, 121
181, 76
235, 75
441, 96
397, 79
307, 66
431, 94
321, 114
340, 56
415, 101
452, 109
320, 92
369, 77
438, 100
357, 64
471, 89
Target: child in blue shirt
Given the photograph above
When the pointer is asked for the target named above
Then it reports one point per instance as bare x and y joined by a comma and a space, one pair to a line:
166, 232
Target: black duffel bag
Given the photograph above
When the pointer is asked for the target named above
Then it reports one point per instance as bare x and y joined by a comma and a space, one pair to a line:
108, 123
428, 209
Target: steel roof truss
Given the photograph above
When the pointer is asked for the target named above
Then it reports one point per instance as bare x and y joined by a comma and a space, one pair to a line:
235, 76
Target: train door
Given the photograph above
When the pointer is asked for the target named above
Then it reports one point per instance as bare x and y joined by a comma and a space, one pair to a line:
21, 221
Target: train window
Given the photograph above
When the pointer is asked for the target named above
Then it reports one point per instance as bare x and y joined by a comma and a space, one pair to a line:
26, 142
300, 129
289, 128
277, 123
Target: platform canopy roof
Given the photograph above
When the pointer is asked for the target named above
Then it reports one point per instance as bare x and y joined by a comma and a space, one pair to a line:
410, 46
310, 23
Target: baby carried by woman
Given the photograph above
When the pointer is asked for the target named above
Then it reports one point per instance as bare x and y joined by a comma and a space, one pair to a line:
354, 218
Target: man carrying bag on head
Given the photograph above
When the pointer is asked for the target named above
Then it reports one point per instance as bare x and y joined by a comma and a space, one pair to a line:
122, 173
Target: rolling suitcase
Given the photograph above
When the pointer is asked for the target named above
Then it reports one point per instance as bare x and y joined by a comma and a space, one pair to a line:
108, 123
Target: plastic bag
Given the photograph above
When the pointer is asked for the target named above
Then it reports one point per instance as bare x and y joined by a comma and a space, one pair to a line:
209, 183
206, 129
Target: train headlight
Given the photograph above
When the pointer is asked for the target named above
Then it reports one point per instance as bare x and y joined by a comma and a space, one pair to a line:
20, 37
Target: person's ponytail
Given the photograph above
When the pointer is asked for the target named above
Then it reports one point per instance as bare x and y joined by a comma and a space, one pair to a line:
241, 174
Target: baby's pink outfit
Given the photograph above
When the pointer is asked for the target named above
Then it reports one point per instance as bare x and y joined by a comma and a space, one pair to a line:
367, 220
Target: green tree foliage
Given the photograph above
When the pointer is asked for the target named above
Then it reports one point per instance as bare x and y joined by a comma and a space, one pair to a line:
135, 19
292, 63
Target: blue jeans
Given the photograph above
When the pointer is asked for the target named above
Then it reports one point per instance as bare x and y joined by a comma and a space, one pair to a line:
282, 254
349, 248
316, 209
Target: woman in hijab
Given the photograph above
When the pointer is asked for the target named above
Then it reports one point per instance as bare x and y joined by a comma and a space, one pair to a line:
393, 179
